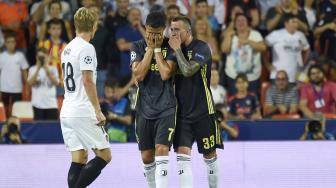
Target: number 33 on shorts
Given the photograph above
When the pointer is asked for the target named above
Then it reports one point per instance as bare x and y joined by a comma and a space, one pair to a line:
209, 142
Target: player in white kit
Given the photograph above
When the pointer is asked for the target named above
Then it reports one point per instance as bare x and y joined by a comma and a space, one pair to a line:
81, 118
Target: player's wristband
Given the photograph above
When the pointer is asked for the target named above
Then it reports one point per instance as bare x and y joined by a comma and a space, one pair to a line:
157, 50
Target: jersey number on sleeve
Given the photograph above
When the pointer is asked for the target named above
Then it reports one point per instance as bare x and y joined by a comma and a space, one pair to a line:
68, 75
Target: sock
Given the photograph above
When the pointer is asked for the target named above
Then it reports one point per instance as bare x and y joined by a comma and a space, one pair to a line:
184, 170
74, 171
90, 172
149, 171
161, 172
212, 169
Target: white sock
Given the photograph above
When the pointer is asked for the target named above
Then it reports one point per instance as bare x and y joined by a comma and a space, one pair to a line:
161, 172
184, 171
149, 172
212, 170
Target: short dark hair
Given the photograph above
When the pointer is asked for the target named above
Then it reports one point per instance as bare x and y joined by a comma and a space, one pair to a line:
156, 19
284, 72
55, 2
9, 34
241, 76
112, 83
288, 17
184, 19
201, 1
43, 50
248, 18
315, 66
54, 21
170, 7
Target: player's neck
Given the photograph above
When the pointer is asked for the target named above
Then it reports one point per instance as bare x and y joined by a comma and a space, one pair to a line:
85, 36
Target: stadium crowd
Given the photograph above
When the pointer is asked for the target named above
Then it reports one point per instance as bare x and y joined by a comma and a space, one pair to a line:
271, 59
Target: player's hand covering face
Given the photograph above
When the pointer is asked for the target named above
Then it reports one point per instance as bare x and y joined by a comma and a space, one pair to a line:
175, 42
154, 37
158, 38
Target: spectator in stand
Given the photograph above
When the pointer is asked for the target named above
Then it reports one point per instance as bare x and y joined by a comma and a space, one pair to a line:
317, 96
118, 18
13, 17
54, 11
290, 49
218, 92
203, 32
117, 111
243, 46
230, 131
276, 16
185, 6
40, 9
249, 7
13, 67
281, 98
218, 8
10, 132
172, 12
125, 36
100, 42
55, 46
243, 105
202, 12
145, 6
229, 24
43, 79
315, 130
325, 31
310, 12
113, 22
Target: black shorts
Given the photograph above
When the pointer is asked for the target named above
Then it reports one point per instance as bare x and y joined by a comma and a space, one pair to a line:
205, 131
150, 132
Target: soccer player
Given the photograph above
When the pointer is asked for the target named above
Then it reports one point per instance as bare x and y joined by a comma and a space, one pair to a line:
156, 103
196, 113
81, 118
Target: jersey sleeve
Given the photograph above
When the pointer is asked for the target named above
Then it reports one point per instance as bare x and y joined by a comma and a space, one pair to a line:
87, 58
304, 42
202, 54
271, 39
23, 63
31, 72
136, 53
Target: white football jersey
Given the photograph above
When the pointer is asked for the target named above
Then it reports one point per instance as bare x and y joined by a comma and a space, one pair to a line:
77, 56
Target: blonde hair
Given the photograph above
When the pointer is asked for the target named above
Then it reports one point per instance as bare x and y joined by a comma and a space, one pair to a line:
209, 33
85, 20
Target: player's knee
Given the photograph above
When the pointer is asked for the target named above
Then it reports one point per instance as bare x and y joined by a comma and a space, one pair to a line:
184, 150
210, 155
161, 149
147, 156
107, 156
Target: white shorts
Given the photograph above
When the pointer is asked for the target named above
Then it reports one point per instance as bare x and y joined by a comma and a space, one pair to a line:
83, 133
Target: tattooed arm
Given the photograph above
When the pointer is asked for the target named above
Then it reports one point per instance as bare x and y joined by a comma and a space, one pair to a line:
188, 68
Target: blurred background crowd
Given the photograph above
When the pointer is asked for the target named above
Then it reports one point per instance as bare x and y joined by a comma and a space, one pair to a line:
271, 58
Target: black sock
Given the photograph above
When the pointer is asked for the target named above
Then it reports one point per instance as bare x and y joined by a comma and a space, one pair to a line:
90, 172
74, 171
